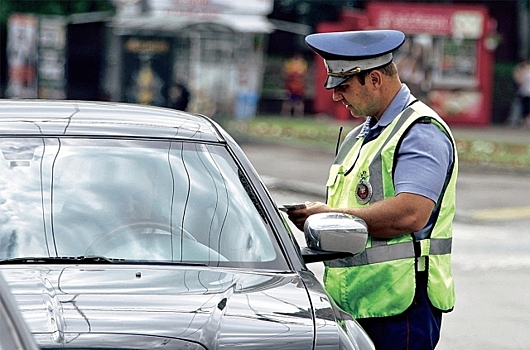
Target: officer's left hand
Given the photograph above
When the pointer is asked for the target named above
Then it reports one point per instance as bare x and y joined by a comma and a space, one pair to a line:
299, 216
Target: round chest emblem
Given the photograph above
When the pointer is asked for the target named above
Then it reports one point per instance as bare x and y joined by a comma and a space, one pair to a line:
363, 192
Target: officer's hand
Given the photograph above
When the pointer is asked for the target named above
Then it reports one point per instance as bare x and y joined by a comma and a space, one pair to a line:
299, 216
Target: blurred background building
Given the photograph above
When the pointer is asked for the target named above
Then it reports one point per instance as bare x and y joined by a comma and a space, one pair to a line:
229, 54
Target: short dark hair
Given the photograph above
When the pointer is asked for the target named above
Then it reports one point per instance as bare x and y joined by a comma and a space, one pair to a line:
388, 69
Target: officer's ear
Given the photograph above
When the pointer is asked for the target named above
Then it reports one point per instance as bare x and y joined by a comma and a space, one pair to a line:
375, 78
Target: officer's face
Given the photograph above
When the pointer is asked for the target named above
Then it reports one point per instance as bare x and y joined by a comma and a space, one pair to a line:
357, 98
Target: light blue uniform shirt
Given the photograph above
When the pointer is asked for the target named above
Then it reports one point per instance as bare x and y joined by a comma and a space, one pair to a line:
424, 156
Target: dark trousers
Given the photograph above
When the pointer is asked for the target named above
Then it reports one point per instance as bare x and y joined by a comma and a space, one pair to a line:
418, 328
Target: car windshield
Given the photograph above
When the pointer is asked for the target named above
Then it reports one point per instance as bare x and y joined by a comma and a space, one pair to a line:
156, 201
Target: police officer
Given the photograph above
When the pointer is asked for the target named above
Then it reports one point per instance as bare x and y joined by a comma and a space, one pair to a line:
397, 171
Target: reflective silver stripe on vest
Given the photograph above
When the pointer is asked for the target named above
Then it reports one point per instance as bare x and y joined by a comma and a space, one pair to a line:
376, 176
441, 246
381, 252
347, 145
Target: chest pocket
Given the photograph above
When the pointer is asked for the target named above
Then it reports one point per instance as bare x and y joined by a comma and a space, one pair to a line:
335, 183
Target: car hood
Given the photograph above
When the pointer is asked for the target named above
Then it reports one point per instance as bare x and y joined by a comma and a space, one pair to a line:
173, 307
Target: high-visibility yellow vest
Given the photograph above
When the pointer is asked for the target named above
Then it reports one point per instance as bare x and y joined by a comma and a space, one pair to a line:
381, 280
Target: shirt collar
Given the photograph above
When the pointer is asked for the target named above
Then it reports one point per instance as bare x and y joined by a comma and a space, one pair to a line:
368, 124
402, 99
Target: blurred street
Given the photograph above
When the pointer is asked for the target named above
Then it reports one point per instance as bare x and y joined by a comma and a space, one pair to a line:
491, 245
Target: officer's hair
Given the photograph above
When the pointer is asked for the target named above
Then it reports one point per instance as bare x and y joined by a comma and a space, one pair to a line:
388, 69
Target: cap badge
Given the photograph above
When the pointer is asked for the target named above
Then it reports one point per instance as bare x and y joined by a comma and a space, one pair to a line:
352, 71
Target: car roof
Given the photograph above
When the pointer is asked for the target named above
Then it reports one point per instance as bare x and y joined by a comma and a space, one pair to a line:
23, 117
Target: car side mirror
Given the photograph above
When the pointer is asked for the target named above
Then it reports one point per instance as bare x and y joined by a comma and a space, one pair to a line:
332, 236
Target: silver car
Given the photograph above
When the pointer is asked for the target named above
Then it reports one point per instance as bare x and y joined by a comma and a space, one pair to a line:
136, 227
14, 332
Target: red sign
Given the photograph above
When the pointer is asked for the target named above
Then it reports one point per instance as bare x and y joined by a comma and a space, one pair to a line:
459, 21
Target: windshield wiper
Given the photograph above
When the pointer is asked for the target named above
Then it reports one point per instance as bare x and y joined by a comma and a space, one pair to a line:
61, 260
92, 260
